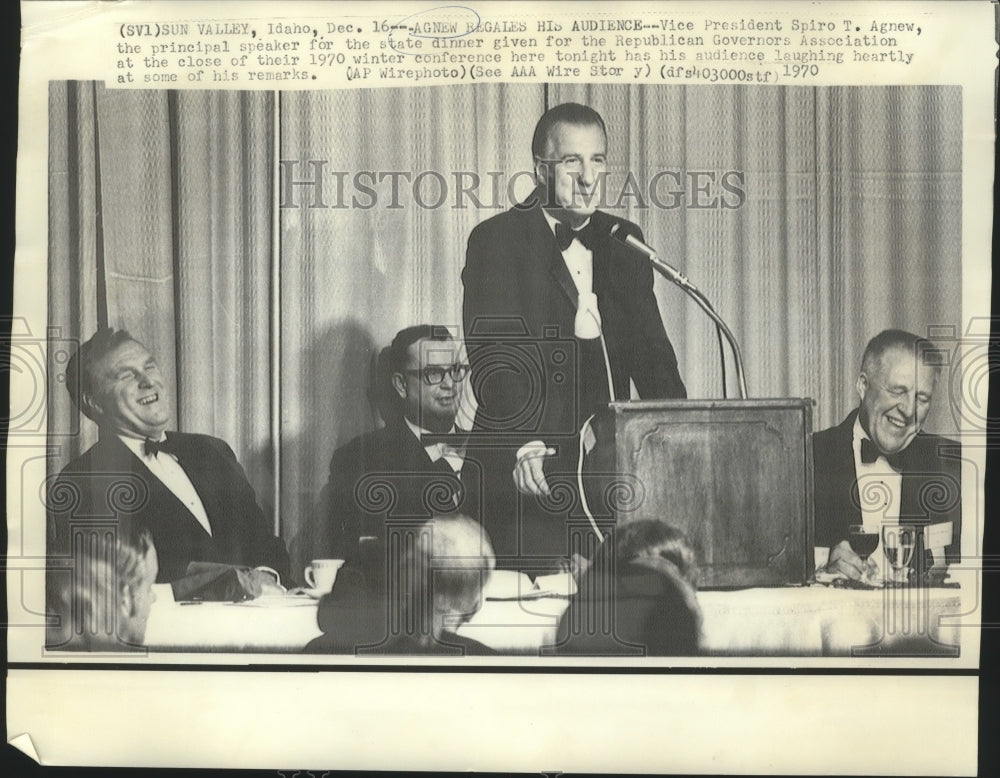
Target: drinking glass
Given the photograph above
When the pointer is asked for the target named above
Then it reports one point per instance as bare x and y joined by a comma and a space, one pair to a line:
898, 543
863, 541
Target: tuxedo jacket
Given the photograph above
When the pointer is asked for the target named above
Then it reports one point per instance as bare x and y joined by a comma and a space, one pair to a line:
109, 481
931, 490
531, 376
383, 480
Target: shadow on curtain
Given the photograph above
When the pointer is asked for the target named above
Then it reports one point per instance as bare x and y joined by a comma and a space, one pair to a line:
362, 266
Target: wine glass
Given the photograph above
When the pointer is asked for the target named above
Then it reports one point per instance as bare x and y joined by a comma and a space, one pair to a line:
863, 542
898, 543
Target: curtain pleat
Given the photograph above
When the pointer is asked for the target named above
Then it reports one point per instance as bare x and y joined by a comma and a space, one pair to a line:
223, 256
186, 188
889, 185
72, 292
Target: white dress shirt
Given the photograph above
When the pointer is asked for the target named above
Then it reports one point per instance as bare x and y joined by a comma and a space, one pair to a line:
880, 486
166, 467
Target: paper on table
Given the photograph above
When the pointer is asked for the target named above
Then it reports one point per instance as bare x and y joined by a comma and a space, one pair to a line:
555, 585
937, 536
513, 585
507, 585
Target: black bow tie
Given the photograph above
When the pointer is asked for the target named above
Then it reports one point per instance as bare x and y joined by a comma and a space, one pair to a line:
154, 447
565, 235
870, 452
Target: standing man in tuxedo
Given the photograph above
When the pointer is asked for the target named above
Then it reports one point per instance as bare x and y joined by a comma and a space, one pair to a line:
392, 474
878, 466
188, 491
542, 281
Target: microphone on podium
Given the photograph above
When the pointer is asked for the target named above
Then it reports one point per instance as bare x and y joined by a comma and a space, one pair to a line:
677, 277
668, 270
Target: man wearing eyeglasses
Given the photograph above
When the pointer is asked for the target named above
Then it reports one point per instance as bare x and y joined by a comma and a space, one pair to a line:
400, 473
879, 468
542, 281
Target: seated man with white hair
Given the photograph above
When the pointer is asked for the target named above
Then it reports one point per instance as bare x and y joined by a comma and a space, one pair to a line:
435, 584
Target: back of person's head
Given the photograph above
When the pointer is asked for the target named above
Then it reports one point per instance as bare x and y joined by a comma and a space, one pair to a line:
565, 113
443, 573
655, 589
79, 375
103, 601
651, 538
393, 359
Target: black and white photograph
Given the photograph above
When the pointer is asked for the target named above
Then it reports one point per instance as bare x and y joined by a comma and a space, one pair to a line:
602, 377
299, 339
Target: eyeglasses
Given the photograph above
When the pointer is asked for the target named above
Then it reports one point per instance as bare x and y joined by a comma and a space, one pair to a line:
434, 374
574, 164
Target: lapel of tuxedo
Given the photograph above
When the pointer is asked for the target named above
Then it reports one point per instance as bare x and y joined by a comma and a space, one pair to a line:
542, 242
441, 469
413, 455
603, 252
162, 506
423, 463
920, 486
412, 459
849, 496
909, 499
115, 457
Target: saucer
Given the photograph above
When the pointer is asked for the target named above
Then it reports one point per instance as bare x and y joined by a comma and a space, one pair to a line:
316, 594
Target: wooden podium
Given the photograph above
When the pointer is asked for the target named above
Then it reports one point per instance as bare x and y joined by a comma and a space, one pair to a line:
734, 475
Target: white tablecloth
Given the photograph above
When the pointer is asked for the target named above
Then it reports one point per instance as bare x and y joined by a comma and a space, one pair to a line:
224, 626
826, 621
793, 621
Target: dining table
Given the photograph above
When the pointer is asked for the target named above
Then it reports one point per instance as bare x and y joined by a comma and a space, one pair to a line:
815, 620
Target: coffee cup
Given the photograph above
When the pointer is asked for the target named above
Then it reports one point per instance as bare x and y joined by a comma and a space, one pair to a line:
321, 574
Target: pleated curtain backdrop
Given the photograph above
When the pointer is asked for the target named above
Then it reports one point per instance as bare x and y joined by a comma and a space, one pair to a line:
851, 223
185, 183
889, 223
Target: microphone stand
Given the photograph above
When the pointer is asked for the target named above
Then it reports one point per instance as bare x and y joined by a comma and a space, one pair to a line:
672, 275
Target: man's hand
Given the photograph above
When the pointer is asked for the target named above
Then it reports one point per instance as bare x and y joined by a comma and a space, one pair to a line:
844, 560
529, 474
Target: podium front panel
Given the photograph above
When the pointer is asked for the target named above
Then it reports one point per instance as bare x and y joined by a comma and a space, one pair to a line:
735, 476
